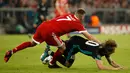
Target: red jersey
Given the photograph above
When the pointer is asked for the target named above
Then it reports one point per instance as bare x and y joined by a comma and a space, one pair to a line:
60, 26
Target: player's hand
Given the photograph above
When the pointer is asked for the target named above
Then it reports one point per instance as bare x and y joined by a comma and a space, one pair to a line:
123, 67
118, 68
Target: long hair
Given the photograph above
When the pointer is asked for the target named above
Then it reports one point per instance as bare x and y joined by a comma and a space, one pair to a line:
108, 47
111, 43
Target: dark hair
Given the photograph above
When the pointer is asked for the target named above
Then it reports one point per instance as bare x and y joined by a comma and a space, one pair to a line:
80, 11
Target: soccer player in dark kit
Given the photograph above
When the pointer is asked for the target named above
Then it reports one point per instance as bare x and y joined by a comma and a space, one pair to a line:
90, 48
42, 13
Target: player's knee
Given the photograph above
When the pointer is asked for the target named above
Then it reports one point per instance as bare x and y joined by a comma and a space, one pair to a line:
71, 61
61, 50
33, 44
68, 66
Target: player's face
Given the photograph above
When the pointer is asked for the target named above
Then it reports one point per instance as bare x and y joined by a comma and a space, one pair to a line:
81, 17
112, 51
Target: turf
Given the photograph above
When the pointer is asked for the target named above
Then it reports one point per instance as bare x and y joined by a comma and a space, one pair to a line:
28, 60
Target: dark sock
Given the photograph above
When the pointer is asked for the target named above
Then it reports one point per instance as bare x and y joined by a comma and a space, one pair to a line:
61, 60
71, 61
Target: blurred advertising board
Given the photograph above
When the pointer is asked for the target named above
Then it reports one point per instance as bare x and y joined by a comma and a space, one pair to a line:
115, 29
109, 29
91, 30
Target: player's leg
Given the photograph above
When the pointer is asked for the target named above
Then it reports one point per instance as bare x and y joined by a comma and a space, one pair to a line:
18, 48
52, 63
59, 52
45, 54
62, 60
35, 40
55, 56
71, 61
66, 63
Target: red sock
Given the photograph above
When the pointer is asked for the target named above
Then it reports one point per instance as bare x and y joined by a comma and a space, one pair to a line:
22, 46
55, 56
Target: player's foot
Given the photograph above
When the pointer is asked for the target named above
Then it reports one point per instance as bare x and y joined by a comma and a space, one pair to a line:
8, 55
54, 66
44, 55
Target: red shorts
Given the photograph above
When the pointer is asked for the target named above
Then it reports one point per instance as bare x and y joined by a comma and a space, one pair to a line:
46, 36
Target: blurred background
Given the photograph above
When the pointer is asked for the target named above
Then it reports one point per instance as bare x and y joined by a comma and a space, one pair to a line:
102, 16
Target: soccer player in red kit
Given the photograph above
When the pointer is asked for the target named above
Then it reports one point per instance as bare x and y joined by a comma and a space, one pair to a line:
59, 26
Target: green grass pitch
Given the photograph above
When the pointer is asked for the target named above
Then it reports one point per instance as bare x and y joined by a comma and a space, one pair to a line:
28, 60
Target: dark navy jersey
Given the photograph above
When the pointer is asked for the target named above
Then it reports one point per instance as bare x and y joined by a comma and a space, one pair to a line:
43, 9
78, 44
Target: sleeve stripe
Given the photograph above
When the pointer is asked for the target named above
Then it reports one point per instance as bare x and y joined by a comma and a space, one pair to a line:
82, 31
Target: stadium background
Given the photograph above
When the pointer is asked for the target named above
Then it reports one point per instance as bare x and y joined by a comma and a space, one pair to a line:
114, 16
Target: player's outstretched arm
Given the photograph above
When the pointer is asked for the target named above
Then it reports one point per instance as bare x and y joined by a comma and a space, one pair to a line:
112, 63
90, 37
102, 67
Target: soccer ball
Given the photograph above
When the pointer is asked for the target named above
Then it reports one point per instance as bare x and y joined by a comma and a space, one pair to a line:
46, 60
